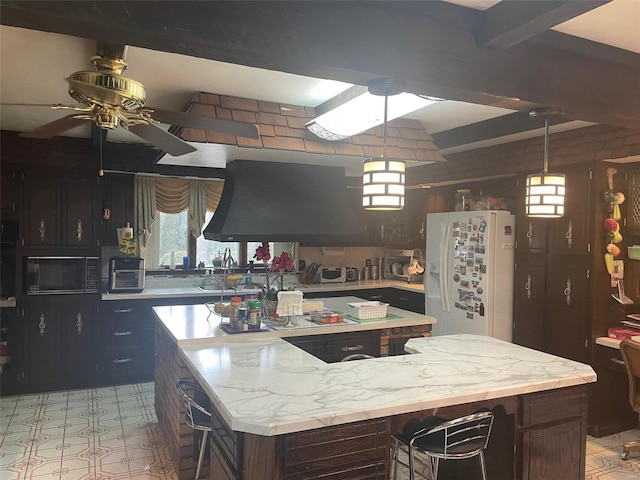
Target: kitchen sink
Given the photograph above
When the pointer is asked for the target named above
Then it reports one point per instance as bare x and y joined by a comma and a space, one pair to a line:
208, 288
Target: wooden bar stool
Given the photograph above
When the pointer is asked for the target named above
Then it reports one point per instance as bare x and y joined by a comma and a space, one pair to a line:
197, 413
426, 444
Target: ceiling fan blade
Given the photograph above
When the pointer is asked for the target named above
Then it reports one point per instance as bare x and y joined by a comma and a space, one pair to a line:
165, 141
191, 120
56, 127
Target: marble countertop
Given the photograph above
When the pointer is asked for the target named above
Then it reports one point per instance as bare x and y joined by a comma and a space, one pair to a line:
267, 386
196, 325
190, 290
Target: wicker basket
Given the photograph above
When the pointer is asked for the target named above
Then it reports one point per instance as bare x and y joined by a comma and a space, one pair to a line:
363, 310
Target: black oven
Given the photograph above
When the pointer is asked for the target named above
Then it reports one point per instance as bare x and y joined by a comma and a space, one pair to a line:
57, 275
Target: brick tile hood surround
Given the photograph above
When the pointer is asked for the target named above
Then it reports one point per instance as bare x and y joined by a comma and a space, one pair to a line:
285, 202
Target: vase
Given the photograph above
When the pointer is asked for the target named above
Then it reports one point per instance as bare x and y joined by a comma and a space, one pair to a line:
268, 308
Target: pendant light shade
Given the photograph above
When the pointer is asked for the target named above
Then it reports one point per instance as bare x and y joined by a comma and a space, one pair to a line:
383, 178
383, 184
544, 196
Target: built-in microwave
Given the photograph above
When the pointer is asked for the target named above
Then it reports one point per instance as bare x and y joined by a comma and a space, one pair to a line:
56, 275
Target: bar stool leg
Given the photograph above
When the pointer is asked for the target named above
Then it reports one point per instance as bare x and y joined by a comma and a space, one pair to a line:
394, 458
203, 445
483, 466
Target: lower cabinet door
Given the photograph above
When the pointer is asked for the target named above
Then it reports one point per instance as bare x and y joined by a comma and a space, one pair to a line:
551, 451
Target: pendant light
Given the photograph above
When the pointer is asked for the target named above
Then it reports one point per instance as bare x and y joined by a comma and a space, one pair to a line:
383, 179
545, 191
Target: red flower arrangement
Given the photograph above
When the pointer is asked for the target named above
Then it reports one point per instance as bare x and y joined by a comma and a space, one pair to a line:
281, 264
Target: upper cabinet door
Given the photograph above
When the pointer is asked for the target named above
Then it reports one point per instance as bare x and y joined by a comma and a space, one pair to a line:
79, 210
570, 233
41, 226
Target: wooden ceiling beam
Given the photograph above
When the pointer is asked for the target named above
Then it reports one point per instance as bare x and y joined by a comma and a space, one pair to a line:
430, 48
511, 124
511, 22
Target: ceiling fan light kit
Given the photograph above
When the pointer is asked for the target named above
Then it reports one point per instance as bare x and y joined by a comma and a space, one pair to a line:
545, 192
383, 179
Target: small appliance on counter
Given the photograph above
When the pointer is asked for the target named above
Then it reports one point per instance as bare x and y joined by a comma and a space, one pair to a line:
126, 274
331, 275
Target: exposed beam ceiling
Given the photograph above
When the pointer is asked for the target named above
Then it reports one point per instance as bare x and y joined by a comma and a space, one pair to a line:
435, 50
510, 22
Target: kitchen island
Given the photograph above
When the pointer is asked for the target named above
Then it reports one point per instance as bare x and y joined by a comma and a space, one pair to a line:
280, 412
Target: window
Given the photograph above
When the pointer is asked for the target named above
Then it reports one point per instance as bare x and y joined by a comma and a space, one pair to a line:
207, 250
162, 208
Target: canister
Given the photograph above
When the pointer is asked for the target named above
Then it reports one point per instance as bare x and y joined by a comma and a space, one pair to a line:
374, 272
365, 273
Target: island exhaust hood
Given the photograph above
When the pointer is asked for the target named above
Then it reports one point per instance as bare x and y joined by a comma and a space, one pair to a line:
275, 201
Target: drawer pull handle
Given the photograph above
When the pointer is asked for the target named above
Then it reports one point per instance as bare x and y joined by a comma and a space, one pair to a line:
122, 360
375, 297
352, 348
122, 334
618, 361
123, 310
404, 299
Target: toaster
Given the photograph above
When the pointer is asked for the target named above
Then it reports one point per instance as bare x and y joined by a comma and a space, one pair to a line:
331, 275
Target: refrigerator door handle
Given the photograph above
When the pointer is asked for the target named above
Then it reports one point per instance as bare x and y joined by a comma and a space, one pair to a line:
444, 267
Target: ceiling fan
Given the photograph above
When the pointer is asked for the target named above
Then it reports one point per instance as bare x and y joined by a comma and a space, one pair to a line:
110, 99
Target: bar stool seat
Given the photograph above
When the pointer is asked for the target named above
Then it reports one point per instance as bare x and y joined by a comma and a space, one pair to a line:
434, 439
197, 413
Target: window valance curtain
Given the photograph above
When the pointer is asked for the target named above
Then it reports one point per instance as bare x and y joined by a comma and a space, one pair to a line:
174, 195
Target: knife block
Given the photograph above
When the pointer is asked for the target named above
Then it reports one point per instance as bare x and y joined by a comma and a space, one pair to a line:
306, 278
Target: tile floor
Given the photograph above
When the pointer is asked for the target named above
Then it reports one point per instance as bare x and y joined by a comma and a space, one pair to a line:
106, 433
112, 433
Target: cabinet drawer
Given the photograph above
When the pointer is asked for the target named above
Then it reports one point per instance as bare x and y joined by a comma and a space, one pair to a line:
341, 345
610, 359
121, 332
126, 363
555, 405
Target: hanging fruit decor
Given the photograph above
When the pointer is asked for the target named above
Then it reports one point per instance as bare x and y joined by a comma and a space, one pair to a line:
611, 224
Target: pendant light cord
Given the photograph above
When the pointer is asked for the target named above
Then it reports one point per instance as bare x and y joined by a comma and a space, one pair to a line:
546, 146
101, 171
384, 127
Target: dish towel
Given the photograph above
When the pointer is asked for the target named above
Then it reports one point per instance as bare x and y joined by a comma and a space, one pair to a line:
289, 303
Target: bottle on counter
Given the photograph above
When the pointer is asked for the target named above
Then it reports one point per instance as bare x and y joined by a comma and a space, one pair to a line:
253, 314
234, 314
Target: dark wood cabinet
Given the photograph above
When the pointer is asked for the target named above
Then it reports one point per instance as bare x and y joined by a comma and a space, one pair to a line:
13, 355
609, 408
78, 362
117, 199
552, 434
552, 274
333, 348
412, 301
566, 308
59, 345
529, 289
79, 210
571, 234
59, 209
43, 347
41, 218
9, 200
531, 233
126, 352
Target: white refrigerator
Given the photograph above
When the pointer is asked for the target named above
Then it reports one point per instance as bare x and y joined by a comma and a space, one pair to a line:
469, 272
